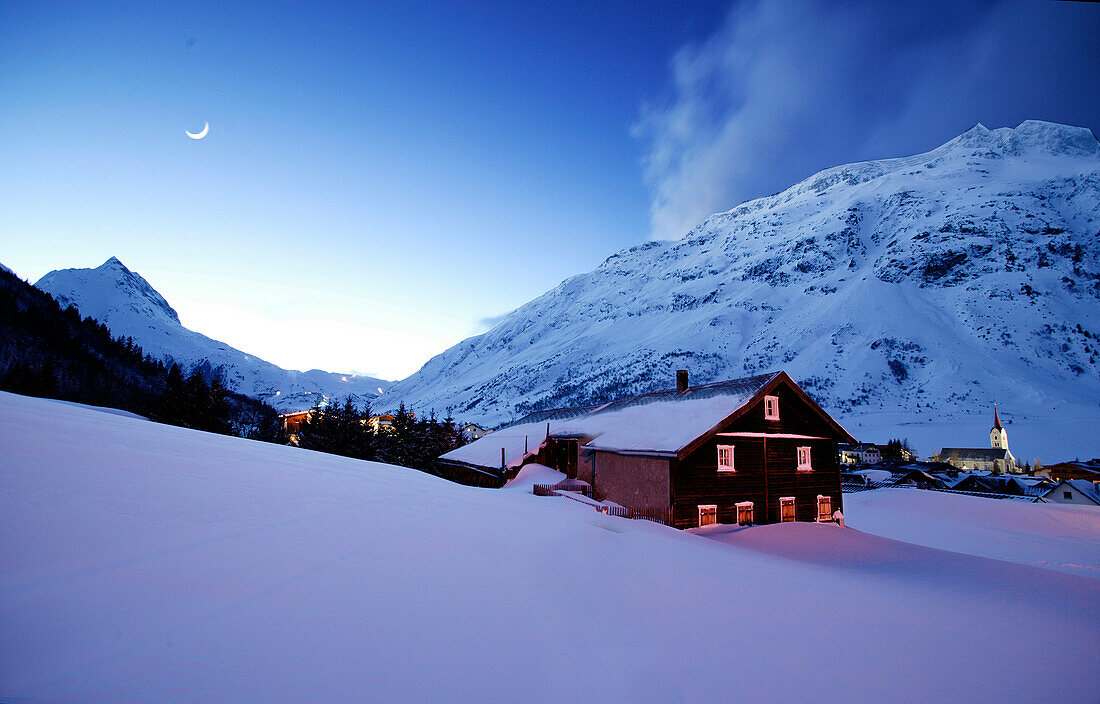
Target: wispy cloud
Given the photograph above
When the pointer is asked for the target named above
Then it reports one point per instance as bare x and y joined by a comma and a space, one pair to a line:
787, 87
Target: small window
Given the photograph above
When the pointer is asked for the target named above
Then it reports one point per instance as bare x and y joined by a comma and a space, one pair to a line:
824, 509
771, 408
1067, 494
786, 508
804, 459
725, 458
708, 514
744, 513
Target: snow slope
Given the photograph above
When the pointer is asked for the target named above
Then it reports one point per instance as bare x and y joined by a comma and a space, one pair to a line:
141, 562
1059, 536
125, 302
895, 292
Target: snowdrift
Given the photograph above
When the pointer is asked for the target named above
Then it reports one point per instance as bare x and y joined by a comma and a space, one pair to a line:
147, 563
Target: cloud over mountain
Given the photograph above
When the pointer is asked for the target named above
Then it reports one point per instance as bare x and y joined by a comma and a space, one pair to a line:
788, 86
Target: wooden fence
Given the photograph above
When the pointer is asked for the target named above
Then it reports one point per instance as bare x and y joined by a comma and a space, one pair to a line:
553, 489
658, 515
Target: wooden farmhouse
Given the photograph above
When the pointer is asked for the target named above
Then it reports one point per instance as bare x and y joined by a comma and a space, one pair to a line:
751, 450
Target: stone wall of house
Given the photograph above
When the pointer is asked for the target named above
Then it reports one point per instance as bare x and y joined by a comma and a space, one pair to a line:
638, 482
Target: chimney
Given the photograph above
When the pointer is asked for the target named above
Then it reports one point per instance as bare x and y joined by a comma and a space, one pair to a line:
681, 380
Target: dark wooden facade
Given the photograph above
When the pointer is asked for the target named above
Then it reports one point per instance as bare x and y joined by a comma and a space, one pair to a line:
765, 464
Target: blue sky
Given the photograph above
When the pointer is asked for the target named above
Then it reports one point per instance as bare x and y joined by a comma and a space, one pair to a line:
380, 180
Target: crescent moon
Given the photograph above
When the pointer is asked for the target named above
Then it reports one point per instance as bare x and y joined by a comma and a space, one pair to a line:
200, 135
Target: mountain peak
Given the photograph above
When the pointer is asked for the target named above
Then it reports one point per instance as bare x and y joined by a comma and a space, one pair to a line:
113, 263
107, 288
1030, 136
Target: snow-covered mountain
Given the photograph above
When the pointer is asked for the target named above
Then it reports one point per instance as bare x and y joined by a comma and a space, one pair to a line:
126, 303
927, 286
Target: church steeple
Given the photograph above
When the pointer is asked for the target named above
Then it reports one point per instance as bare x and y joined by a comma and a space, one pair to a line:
998, 436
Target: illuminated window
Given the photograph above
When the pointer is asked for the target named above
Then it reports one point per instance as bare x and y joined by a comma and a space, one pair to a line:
786, 508
708, 514
744, 513
804, 459
771, 408
725, 458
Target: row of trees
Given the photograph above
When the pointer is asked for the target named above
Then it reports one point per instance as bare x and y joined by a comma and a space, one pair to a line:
346, 429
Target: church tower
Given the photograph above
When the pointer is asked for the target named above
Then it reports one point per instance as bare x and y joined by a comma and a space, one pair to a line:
998, 436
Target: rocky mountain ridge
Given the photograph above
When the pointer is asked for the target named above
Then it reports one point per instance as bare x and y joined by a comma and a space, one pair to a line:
934, 284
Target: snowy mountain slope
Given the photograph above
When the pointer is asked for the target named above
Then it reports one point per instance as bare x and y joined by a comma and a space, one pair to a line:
934, 284
129, 306
143, 562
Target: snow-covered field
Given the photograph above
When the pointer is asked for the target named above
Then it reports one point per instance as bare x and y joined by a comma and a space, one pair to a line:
145, 563
1057, 536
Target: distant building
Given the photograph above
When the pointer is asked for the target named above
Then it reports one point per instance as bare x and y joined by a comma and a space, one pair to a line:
380, 423
921, 479
903, 454
864, 453
998, 484
1087, 470
292, 422
473, 431
997, 459
1073, 491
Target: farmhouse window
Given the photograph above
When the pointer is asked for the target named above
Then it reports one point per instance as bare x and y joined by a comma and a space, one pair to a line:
786, 508
725, 458
804, 460
824, 509
771, 408
1067, 494
744, 513
708, 514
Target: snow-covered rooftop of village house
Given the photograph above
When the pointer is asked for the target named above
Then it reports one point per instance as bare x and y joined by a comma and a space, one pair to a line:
660, 422
517, 441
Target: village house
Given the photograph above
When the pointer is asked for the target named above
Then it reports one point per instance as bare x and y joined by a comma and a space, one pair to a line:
751, 450
861, 453
1000, 484
1073, 491
381, 423
997, 458
473, 431
292, 422
1076, 469
921, 479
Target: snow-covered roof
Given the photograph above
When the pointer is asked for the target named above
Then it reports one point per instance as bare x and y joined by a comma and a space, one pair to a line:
660, 422
1087, 488
518, 442
974, 454
663, 422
